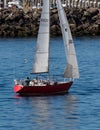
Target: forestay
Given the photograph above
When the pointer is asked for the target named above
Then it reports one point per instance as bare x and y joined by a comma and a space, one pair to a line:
71, 70
42, 47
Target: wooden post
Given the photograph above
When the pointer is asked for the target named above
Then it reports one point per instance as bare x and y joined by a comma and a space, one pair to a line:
83, 4
69, 3
95, 3
91, 3
72, 3
76, 3
80, 4
66, 3
98, 4
5, 3
86, 4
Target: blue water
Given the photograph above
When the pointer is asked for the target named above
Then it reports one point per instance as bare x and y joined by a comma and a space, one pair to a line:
77, 110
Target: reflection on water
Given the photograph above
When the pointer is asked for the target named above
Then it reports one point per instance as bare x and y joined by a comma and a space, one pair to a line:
52, 112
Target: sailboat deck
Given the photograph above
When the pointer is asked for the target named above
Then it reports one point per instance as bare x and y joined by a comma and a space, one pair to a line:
33, 83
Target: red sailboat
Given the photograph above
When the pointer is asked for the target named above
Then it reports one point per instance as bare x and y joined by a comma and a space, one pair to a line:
41, 59
46, 89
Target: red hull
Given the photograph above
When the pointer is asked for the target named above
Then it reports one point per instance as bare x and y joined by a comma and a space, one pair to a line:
43, 90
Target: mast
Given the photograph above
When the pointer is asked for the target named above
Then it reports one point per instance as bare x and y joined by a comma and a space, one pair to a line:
41, 59
71, 70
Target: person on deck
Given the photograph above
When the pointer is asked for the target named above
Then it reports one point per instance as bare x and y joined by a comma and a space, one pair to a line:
27, 81
16, 82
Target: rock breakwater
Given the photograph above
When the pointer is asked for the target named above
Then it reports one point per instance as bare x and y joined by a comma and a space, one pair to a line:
17, 23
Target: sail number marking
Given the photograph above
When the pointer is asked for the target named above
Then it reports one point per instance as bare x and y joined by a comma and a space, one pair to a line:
44, 20
70, 41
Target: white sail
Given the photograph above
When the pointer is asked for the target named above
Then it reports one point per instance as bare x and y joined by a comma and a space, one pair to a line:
71, 70
42, 48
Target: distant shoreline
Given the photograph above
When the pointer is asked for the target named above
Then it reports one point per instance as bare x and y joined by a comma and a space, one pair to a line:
17, 23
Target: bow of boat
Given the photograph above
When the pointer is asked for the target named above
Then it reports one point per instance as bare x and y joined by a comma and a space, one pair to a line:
18, 88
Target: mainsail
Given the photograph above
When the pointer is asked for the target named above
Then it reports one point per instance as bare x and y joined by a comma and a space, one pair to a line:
71, 70
42, 48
